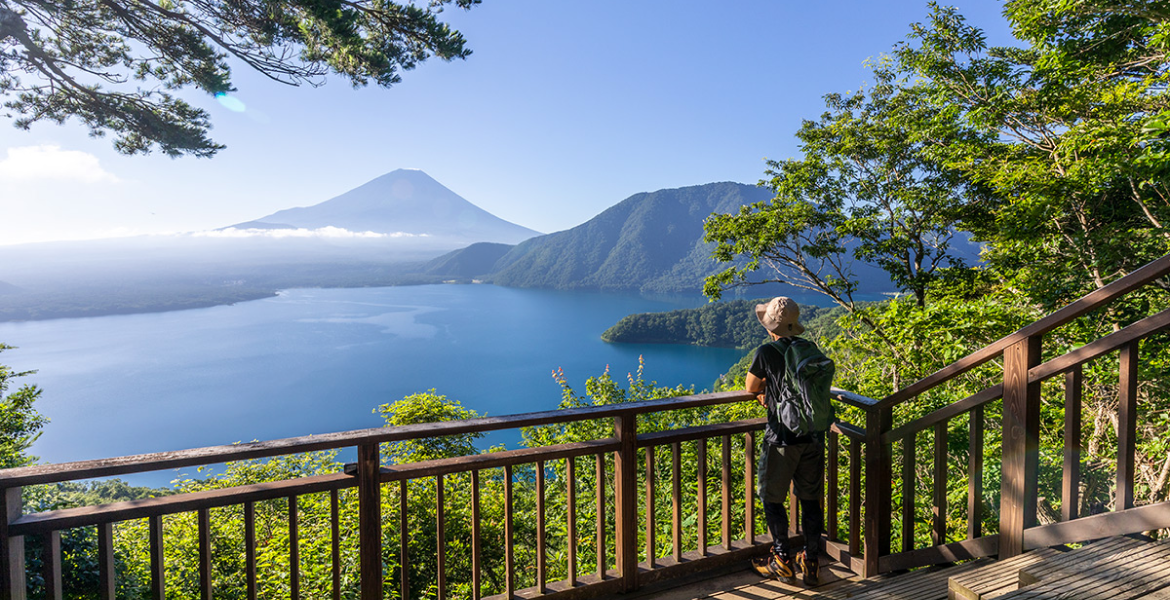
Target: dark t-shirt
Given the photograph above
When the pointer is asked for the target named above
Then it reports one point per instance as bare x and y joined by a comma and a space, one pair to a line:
768, 364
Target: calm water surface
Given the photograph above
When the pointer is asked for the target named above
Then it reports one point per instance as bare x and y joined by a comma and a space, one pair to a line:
320, 360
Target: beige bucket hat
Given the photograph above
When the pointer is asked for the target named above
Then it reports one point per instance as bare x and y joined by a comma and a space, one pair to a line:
781, 316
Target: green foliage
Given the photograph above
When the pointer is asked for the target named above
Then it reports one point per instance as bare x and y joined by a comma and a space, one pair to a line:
427, 408
20, 423
57, 57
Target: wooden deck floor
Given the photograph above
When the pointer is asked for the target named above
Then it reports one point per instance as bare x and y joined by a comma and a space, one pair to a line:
1117, 568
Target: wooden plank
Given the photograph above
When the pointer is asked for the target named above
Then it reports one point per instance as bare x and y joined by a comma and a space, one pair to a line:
1099, 297
687, 434
250, 587
441, 538
749, 501
878, 479
204, 518
726, 496
158, 572
995, 579
107, 583
855, 497
1127, 424
571, 520
977, 400
701, 495
1128, 574
975, 474
939, 531
51, 565
848, 430
403, 544
1021, 433
1101, 347
51, 473
294, 550
1071, 480
697, 562
599, 509
676, 522
649, 507
832, 528
335, 542
476, 538
541, 567
934, 555
12, 561
370, 521
625, 500
909, 460
509, 536
1135, 520
1080, 559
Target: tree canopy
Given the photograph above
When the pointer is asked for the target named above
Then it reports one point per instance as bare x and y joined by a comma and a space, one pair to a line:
115, 64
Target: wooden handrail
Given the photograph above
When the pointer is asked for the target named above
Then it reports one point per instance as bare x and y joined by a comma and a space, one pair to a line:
1091, 301
52, 473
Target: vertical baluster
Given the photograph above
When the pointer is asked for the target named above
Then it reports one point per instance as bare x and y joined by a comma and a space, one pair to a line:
205, 554
12, 563
939, 532
294, 550
370, 521
600, 510
909, 458
571, 518
833, 529
106, 582
676, 501
250, 549
1071, 482
650, 534
749, 500
403, 540
625, 500
440, 539
1127, 425
1021, 439
51, 565
540, 549
475, 536
726, 492
509, 548
878, 494
701, 495
157, 568
975, 475
854, 497
335, 541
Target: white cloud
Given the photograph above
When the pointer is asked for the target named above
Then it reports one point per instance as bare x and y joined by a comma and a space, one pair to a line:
28, 163
324, 232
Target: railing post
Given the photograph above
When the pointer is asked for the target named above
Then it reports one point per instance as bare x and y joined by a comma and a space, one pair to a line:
878, 495
1126, 425
626, 499
1021, 435
370, 520
11, 548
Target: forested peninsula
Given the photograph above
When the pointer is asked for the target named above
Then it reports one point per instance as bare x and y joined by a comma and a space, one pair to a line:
730, 324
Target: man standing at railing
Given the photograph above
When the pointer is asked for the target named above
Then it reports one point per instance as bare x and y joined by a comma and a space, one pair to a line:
791, 378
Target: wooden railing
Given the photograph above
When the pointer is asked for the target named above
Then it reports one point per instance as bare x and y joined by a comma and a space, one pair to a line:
1023, 372
621, 565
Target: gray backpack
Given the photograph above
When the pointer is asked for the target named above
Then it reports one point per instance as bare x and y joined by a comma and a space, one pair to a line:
805, 404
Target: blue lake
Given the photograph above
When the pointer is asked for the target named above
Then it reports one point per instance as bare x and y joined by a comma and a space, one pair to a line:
320, 360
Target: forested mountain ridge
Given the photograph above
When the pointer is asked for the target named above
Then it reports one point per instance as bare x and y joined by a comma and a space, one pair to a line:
649, 242
730, 324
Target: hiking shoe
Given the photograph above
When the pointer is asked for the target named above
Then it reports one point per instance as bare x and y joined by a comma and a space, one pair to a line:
774, 566
809, 569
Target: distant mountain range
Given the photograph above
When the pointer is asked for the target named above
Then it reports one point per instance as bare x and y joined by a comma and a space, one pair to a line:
405, 202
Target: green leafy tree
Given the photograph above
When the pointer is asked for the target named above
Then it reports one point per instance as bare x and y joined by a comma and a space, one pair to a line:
114, 64
20, 423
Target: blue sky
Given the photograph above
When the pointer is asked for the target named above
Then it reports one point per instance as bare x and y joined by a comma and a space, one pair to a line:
562, 110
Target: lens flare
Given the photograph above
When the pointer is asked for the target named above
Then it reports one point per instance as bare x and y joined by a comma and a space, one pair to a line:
230, 102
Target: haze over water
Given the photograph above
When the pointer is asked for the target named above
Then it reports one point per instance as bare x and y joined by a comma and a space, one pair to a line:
320, 360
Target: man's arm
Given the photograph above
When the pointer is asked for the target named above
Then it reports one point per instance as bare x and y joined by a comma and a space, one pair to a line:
755, 385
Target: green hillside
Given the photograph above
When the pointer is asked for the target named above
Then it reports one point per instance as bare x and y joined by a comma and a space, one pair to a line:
730, 324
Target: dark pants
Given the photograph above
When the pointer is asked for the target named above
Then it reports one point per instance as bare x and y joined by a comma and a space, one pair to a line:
803, 468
